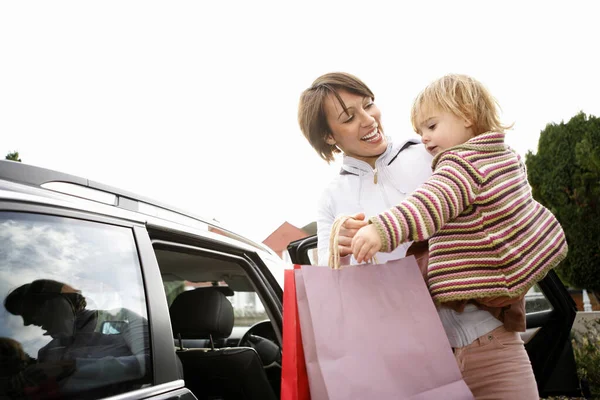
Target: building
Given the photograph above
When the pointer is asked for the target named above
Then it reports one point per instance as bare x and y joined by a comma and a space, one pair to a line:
281, 237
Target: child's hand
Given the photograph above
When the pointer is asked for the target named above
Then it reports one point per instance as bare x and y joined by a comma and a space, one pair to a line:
366, 243
347, 232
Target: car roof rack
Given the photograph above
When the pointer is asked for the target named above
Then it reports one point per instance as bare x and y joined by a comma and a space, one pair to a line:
84, 188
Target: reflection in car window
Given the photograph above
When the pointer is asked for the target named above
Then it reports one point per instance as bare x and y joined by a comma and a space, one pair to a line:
74, 316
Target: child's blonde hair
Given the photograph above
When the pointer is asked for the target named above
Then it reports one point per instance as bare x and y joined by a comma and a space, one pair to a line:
13, 358
462, 96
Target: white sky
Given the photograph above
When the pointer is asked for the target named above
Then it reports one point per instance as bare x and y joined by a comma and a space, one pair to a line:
194, 102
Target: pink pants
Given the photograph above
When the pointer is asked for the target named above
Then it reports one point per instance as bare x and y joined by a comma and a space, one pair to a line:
496, 367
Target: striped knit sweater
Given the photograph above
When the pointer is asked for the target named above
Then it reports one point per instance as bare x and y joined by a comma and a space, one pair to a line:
487, 235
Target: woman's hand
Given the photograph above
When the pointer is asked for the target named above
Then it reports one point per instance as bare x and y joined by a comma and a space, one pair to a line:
366, 243
347, 232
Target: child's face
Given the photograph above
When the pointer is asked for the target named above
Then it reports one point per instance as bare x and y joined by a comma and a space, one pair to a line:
440, 130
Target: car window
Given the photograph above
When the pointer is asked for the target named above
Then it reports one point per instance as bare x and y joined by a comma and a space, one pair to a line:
536, 301
247, 307
313, 256
74, 322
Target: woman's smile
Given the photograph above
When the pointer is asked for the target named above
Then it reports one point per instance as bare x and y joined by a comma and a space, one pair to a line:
374, 137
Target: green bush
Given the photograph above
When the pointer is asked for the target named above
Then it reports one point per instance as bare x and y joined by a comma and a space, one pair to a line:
586, 348
565, 177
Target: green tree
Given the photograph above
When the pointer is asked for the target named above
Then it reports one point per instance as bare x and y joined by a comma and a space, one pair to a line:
565, 177
14, 156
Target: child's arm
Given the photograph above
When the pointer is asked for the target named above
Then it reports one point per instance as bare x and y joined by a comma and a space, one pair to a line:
447, 193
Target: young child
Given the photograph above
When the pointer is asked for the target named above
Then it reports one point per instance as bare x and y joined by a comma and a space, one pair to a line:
13, 362
489, 240
487, 236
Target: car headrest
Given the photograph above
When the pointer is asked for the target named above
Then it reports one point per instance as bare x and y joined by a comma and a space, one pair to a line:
223, 289
199, 314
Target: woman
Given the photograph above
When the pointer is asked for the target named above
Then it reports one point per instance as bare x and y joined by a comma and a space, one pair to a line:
337, 114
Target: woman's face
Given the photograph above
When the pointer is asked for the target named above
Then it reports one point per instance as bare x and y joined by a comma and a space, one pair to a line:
357, 131
54, 315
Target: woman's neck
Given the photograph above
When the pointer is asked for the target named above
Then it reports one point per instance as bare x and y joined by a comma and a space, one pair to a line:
369, 160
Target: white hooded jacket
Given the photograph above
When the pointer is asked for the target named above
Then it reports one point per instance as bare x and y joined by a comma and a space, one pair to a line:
401, 169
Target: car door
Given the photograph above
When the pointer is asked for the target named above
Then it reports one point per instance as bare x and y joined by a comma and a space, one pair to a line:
88, 281
550, 315
189, 260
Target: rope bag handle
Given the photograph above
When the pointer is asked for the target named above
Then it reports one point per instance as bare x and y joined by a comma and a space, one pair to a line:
334, 239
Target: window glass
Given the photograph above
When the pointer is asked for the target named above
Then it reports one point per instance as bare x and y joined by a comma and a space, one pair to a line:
536, 301
247, 307
73, 321
313, 256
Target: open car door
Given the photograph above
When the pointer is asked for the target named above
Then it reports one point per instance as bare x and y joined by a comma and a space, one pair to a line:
550, 315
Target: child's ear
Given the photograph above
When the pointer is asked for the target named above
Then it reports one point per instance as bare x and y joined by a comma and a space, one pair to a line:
329, 139
468, 123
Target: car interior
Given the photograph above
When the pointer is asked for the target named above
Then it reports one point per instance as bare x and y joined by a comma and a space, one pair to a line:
222, 332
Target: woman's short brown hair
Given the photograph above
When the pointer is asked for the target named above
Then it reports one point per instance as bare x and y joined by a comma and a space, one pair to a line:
311, 109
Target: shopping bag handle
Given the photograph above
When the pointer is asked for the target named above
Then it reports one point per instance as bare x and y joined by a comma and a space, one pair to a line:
334, 239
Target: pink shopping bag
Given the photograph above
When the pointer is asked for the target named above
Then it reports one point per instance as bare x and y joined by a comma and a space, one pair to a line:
318, 390
376, 334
